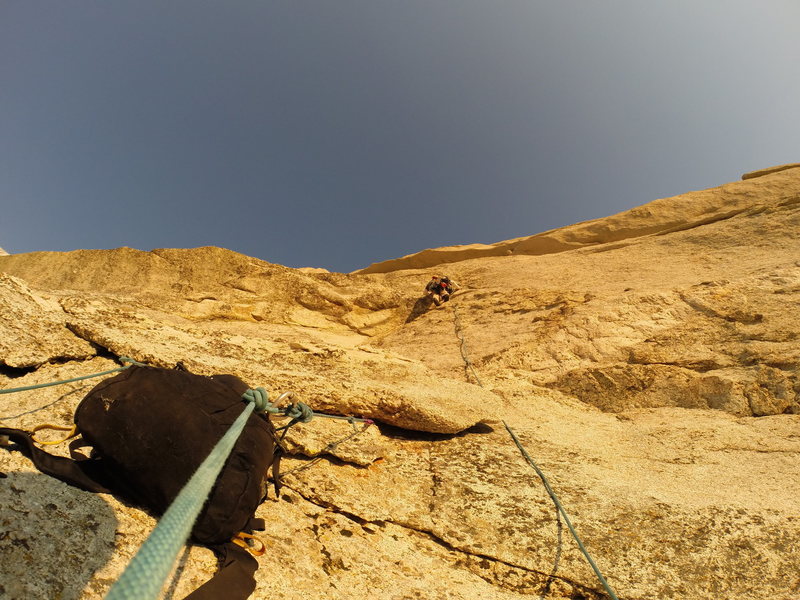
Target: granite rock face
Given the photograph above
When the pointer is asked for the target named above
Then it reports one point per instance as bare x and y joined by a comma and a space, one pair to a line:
33, 330
648, 362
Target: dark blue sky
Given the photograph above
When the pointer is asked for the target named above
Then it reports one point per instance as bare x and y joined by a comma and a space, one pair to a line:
340, 133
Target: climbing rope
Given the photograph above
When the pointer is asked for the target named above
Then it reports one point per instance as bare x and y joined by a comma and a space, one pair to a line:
330, 448
26, 388
463, 347
529, 460
562, 511
145, 575
147, 572
298, 413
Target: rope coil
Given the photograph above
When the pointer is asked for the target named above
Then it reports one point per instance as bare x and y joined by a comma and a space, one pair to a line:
298, 412
259, 397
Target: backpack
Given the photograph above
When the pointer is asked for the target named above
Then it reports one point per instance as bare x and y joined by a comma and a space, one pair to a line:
150, 428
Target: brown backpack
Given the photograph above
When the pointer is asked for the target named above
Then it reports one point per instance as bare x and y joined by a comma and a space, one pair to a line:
150, 429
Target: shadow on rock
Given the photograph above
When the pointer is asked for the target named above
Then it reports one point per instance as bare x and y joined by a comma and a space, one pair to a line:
421, 306
478, 428
399, 433
53, 538
81, 389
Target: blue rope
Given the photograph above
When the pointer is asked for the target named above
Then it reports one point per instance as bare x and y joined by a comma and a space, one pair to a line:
299, 412
145, 575
562, 511
529, 460
44, 385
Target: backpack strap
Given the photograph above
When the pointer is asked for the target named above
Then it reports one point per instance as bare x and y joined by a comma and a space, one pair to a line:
234, 580
276, 470
86, 474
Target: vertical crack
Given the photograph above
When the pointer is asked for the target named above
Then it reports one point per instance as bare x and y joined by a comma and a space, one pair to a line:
559, 548
327, 561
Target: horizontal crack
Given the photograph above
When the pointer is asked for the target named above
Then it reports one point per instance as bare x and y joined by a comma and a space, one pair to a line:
13, 372
16, 372
758, 450
697, 368
100, 350
583, 592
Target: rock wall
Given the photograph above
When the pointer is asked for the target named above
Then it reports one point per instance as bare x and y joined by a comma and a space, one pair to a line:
650, 369
687, 211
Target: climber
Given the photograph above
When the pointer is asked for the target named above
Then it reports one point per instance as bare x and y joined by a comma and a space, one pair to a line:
439, 289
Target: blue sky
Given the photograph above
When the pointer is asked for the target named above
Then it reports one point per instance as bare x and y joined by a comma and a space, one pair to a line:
340, 133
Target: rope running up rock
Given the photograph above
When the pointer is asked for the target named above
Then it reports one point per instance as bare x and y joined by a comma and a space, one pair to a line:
145, 575
559, 508
26, 388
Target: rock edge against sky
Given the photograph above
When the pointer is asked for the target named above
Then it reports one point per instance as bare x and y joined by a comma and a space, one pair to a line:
649, 365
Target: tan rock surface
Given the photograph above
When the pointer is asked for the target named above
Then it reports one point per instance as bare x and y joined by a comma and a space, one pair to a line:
778, 187
769, 170
33, 329
648, 363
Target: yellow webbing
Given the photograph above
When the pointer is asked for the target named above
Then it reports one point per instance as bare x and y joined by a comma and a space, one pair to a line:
73, 431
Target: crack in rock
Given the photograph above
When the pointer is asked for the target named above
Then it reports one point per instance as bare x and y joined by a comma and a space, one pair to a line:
100, 349
496, 571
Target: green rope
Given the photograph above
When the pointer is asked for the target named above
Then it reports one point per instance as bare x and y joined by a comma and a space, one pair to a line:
299, 412
44, 385
559, 507
562, 511
145, 575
